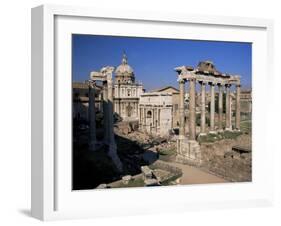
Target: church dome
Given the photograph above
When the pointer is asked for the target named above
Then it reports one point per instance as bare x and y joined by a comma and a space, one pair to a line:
124, 72
124, 67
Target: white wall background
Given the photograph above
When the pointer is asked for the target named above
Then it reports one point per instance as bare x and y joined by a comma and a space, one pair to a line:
15, 112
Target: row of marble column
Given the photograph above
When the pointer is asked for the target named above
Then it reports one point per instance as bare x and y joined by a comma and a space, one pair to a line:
108, 122
192, 108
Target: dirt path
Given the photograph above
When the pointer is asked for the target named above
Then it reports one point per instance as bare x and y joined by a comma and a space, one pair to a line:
193, 175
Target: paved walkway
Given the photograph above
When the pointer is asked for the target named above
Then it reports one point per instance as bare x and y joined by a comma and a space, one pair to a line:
193, 175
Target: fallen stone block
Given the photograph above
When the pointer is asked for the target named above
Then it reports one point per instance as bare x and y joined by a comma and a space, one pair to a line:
102, 186
151, 182
126, 179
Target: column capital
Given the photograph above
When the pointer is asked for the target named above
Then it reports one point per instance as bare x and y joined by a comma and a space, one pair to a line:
228, 85
181, 81
212, 83
192, 79
202, 82
238, 85
91, 83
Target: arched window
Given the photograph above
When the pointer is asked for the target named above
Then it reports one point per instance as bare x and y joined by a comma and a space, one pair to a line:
148, 115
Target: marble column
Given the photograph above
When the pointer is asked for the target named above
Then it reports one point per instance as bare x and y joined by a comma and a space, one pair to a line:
112, 145
119, 107
144, 119
155, 119
92, 117
153, 116
181, 109
137, 109
192, 110
105, 112
140, 118
212, 110
220, 107
110, 114
203, 109
237, 112
159, 113
227, 108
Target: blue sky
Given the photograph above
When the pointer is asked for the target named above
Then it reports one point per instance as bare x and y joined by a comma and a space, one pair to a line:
153, 60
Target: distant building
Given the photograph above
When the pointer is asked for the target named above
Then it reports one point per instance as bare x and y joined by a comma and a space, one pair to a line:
246, 101
156, 111
126, 91
175, 102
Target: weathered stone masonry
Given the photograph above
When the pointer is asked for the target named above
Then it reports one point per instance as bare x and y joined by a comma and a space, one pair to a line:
105, 76
187, 147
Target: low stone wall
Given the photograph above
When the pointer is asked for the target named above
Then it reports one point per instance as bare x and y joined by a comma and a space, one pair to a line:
170, 175
220, 159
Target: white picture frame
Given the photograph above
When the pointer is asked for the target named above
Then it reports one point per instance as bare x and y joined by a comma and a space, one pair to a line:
52, 197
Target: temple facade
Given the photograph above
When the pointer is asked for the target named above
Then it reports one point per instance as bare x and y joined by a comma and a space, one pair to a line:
188, 149
126, 92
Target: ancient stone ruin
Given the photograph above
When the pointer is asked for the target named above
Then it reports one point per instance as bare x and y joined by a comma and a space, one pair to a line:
105, 76
205, 74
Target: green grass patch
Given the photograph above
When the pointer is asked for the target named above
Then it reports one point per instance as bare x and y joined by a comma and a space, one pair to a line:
166, 154
167, 151
136, 182
210, 138
246, 126
171, 179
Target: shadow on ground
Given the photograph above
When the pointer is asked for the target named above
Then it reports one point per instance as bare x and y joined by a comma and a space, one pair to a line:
91, 169
25, 212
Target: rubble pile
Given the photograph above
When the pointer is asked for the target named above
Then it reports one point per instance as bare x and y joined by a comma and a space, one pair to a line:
221, 159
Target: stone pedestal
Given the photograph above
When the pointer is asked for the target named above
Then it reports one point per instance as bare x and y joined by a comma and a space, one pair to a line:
189, 152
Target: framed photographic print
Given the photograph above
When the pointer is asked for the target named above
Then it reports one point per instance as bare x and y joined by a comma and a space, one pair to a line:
136, 112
